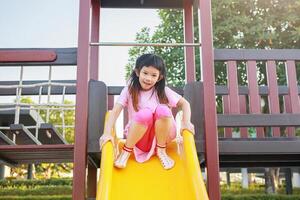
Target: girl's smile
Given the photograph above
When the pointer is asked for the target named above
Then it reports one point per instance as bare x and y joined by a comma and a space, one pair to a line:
148, 77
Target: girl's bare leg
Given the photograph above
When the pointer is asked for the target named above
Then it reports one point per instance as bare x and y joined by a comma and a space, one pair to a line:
136, 132
162, 130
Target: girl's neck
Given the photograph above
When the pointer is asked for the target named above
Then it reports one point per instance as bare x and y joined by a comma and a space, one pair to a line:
143, 90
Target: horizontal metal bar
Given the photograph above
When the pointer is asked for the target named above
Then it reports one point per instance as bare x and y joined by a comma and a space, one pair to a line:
126, 44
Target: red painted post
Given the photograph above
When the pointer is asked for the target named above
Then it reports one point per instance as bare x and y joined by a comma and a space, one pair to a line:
110, 102
292, 85
292, 100
233, 87
94, 70
80, 148
92, 181
254, 98
273, 93
207, 66
94, 74
188, 23
226, 110
288, 109
243, 110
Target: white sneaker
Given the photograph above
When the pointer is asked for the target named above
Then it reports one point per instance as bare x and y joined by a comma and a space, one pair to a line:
121, 161
165, 160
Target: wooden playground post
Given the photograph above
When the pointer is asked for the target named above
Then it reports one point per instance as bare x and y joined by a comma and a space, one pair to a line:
188, 23
94, 74
210, 118
81, 110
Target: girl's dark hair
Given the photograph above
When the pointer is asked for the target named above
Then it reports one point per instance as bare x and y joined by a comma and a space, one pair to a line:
134, 86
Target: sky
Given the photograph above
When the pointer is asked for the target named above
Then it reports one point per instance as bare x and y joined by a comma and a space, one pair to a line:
54, 24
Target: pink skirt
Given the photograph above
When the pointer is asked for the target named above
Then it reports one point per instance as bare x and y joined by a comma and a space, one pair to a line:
145, 147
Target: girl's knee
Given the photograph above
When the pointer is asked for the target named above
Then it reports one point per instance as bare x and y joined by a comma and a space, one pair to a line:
143, 116
162, 111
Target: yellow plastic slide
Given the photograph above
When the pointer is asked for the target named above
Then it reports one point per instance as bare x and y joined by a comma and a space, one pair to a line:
142, 181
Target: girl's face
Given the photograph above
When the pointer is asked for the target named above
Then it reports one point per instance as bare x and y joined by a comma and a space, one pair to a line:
148, 77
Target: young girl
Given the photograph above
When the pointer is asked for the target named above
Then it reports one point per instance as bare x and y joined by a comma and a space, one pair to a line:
151, 124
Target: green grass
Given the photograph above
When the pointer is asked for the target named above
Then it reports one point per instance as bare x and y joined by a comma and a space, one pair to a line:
260, 197
40, 190
30, 197
11, 183
61, 189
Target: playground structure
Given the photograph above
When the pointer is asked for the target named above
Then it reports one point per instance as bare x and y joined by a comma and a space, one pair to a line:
241, 104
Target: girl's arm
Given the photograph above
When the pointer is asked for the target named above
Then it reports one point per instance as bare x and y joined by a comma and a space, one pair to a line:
186, 112
113, 116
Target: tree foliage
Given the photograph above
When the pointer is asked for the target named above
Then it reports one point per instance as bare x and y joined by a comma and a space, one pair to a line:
259, 24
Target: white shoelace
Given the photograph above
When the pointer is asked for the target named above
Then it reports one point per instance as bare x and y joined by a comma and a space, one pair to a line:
165, 160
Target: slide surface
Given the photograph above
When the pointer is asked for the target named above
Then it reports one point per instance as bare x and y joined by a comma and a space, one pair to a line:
143, 181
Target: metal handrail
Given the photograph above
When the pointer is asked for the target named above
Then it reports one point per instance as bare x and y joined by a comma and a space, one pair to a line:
124, 44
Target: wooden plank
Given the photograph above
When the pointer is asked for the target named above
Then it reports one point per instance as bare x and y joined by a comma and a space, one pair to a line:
256, 54
97, 108
189, 52
20, 154
154, 4
254, 98
293, 99
288, 109
48, 134
273, 96
193, 93
28, 117
257, 152
226, 110
243, 110
116, 90
23, 135
292, 84
233, 87
27, 56
64, 56
260, 146
232, 90
262, 90
258, 120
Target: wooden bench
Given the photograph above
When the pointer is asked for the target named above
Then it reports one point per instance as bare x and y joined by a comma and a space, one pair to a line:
264, 150
242, 109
